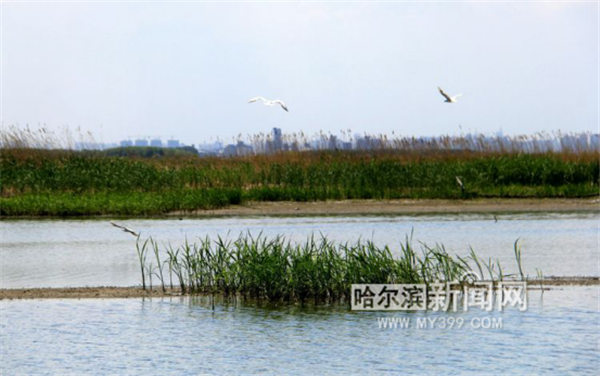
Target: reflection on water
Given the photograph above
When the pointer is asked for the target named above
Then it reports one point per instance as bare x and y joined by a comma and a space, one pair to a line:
63, 253
184, 335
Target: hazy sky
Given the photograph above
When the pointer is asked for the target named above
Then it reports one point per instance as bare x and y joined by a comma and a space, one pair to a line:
188, 69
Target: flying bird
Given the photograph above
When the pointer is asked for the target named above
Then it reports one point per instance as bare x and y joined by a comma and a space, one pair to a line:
449, 99
269, 103
125, 229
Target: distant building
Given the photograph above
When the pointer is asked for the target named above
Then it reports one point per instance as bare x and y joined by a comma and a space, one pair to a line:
156, 142
333, 142
229, 151
595, 142
211, 148
141, 142
243, 149
172, 143
126, 143
277, 139
363, 143
240, 149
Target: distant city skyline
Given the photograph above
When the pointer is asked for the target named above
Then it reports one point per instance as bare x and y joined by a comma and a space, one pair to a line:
277, 141
187, 70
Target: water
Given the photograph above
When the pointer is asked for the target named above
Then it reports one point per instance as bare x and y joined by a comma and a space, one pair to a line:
558, 334
75, 253
182, 335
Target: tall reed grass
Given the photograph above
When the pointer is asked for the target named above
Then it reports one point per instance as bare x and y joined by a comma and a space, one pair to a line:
37, 181
539, 142
15, 137
317, 270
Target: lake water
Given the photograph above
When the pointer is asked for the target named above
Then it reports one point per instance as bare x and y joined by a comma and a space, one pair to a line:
557, 335
75, 253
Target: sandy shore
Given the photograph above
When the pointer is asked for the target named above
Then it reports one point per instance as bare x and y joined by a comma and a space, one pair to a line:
390, 207
84, 293
138, 292
492, 206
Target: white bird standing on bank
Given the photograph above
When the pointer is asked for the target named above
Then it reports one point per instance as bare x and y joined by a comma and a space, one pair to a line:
269, 103
460, 184
449, 99
125, 229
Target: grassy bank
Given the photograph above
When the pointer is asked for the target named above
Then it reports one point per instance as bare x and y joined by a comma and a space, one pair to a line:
42, 182
318, 270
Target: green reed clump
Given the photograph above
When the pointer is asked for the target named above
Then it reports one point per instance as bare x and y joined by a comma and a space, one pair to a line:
279, 270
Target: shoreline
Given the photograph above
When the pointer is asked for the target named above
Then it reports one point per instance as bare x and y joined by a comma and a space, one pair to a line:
392, 207
108, 292
374, 207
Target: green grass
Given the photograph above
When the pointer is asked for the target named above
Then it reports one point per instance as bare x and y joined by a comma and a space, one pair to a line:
129, 203
61, 183
317, 270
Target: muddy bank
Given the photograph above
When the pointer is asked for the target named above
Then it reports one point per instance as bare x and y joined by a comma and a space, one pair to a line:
390, 207
138, 292
492, 206
84, 293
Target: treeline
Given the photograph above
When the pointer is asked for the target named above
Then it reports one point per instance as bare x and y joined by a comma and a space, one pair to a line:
148, 151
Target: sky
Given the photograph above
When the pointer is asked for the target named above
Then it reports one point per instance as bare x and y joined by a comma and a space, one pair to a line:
186, 70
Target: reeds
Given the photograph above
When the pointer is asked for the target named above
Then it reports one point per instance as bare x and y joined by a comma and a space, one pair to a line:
80, 185
29, 140
317, 270
540, 142
42, 137
36, 181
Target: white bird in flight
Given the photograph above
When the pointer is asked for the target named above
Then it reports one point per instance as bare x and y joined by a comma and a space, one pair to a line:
270, 103
125, 229
449, 99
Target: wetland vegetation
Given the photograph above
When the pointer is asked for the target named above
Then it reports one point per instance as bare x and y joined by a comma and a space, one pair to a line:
62, 183
36, 179
317, 270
